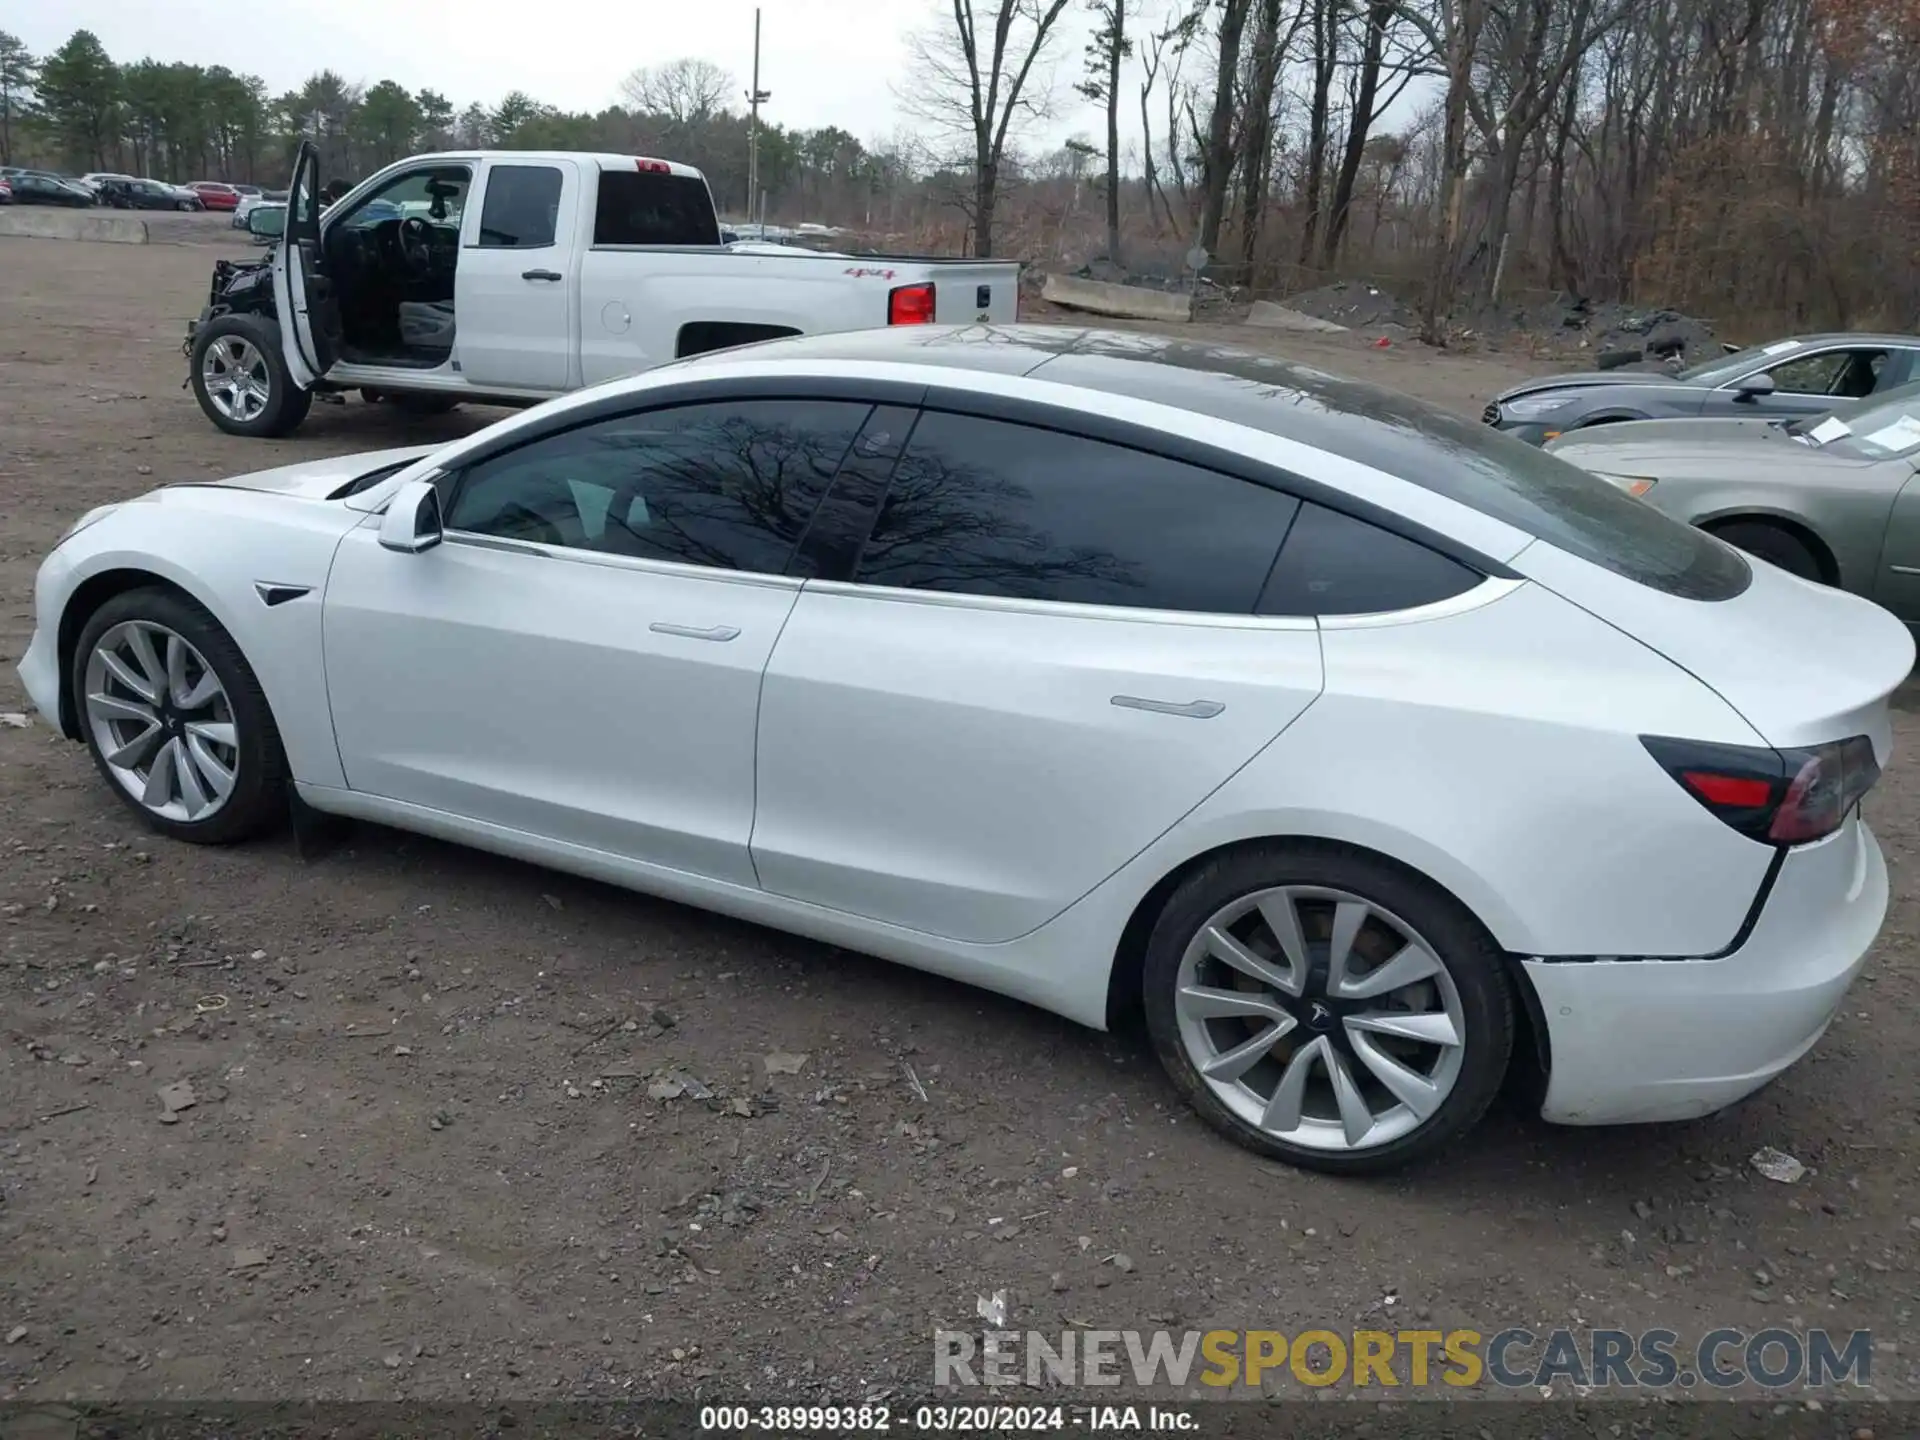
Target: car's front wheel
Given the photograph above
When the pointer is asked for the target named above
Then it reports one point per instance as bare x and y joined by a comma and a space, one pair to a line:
176, 720
1321, 1006
241, 379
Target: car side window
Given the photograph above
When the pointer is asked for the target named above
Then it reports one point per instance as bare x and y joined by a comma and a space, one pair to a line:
522, 207
1333, 564
728, 484
1812, 374
986, 507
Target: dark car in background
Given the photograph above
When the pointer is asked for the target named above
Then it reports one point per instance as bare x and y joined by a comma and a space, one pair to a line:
31, 187
1805, 375
143, 195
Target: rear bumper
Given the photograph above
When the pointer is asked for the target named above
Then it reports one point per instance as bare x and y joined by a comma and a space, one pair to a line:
1650, 1040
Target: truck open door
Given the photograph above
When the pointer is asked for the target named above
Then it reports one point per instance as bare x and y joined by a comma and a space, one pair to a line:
309, 317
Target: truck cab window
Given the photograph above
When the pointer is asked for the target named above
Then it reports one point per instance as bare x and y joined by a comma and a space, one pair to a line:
646, 207
522, 207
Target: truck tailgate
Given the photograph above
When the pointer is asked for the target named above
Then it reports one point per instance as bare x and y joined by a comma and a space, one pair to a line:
967, 292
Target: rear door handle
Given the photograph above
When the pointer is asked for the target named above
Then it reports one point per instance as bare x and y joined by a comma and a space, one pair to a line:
1191, 710
541, 275
695, 632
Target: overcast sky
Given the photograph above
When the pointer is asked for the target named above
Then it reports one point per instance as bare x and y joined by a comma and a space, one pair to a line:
827, 62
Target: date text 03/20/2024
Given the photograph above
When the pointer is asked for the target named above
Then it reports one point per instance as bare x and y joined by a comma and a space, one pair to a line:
799, 1419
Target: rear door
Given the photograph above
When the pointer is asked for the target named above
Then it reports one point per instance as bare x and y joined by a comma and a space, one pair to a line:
516, 296
1046, 656
300, 292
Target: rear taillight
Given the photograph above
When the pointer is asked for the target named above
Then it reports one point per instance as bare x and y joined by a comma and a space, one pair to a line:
1779, 797
910, 305
653, 167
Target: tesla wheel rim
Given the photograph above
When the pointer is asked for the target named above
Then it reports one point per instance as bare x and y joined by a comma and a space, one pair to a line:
236, 378
1320, 1018
162, 721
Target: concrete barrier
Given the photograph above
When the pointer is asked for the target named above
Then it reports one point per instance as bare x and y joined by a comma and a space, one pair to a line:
1127, 301
48, 223
1270, 316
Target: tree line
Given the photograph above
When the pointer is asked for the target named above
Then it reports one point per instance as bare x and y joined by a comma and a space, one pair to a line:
1756, 158
78, 109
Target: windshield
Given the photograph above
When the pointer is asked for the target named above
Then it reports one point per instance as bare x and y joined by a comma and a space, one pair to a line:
1880, 427
1729, 367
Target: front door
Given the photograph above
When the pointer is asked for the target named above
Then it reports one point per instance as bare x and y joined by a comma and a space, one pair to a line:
581, 658
515, 292
308, 317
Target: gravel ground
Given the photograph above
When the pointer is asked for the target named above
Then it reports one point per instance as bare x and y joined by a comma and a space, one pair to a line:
430, 1154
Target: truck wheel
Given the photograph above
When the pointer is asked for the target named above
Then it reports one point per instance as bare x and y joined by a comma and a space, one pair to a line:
241, 380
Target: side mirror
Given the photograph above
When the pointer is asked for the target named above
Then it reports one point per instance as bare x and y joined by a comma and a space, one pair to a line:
412, 522
267, 224
1753, 387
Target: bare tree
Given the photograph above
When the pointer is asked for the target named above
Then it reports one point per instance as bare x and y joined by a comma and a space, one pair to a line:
977, 87
687, 92
1108, 48
1220, 152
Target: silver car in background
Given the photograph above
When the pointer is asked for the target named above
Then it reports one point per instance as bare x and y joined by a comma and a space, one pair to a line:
1829, 498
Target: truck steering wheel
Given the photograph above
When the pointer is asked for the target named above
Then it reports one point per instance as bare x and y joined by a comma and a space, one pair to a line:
416, 245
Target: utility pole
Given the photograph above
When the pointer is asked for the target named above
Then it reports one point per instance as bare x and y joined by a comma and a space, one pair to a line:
756, 97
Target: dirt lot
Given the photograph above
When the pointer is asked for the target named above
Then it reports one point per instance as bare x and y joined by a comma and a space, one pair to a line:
424, 1161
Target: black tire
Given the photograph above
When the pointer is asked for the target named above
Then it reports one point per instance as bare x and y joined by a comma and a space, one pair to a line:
1471, 959
287, 404
1775, 545
257, 800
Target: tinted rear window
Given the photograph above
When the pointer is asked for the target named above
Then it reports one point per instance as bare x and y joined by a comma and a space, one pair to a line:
645, 207
1448, 454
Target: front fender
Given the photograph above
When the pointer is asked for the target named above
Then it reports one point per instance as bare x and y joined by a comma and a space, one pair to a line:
215, 546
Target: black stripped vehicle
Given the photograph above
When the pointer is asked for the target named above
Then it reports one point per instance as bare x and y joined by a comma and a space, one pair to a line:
30, 188
1805, 375
143, 195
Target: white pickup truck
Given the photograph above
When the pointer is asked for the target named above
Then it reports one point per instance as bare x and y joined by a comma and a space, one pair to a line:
512, 276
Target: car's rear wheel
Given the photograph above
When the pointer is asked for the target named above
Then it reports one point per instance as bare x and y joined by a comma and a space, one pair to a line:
241, 379
176, 720
1774, 545
1323, 1007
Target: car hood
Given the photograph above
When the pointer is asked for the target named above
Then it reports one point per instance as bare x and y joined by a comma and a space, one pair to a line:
1588, 379
1728, 449
317, 479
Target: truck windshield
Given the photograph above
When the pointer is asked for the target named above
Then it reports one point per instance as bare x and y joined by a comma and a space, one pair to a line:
639, 207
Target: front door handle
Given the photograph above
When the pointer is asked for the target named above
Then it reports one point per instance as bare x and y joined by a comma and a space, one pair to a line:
695, 632
541, 275
1191, 710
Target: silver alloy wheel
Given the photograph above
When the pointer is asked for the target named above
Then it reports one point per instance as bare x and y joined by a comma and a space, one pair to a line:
1320, 1018
236, 378
162, 721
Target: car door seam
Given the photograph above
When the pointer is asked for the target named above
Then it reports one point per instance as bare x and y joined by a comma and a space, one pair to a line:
759, 714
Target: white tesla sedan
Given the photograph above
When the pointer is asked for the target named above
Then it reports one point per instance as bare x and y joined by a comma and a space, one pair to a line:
1371, 752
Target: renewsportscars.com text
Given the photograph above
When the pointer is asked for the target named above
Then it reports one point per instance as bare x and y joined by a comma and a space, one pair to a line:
1513, 1358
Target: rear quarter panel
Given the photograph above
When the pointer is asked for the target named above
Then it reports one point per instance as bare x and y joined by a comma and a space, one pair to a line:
1497, 752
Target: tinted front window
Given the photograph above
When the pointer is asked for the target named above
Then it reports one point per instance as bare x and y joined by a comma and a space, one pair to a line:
1336, 565
522, 207
982, 507
730, 485
645, 207
1421, 444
